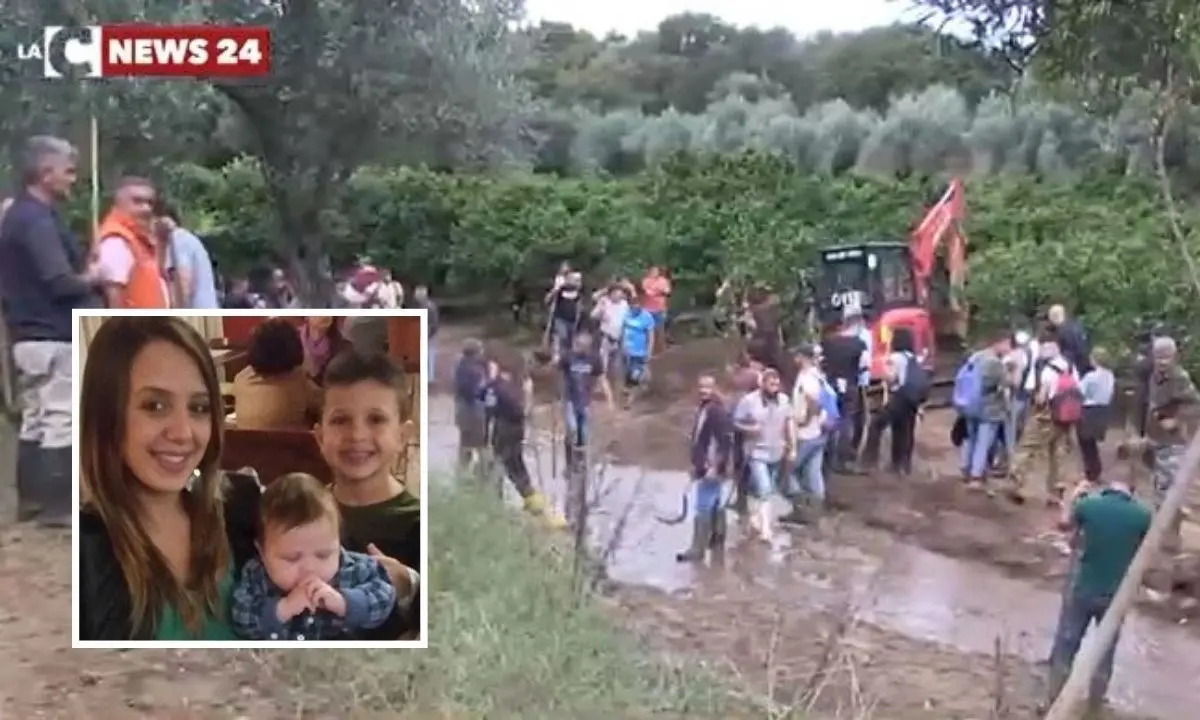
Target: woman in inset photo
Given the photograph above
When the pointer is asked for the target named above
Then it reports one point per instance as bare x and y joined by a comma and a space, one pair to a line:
159, 549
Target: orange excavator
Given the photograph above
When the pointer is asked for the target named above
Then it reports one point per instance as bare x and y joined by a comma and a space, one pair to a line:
916, 285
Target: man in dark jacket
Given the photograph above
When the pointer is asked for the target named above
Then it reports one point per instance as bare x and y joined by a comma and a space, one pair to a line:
42, 278
1072, 339
469, 377
844, 355
506, 400
711, 444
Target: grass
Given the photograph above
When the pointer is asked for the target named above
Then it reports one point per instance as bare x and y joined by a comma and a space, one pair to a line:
508, 638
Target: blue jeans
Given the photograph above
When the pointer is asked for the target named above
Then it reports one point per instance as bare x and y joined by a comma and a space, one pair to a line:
635, 370
1079, 611
575, 422
708, 494
1016, 423
809, 473
763, 476
981, 435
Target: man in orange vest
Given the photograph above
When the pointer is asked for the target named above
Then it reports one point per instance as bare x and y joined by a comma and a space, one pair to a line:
128, 257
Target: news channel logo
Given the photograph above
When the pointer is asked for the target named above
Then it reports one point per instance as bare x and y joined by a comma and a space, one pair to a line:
71, 52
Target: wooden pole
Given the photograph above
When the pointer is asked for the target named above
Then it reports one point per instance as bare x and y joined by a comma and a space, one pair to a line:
1070, 703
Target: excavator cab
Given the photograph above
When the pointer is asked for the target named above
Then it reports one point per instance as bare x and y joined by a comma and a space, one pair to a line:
876, 276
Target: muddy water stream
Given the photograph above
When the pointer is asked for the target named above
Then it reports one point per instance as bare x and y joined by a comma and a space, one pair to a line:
897, 586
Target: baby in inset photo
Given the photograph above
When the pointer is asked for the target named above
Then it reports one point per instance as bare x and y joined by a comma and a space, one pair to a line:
304, 585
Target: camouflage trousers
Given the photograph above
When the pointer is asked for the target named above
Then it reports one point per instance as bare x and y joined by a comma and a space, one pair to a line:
1167, 459
1042, 441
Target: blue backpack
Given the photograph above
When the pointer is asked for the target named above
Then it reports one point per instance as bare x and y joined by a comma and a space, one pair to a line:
968, 390
827, 398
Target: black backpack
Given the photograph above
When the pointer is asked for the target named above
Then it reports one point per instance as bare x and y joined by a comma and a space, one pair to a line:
917, 381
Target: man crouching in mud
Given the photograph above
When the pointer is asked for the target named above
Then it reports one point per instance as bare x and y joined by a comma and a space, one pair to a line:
711, 442
507, 403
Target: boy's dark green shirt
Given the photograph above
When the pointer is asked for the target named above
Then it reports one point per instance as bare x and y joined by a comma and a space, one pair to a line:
1114, 524
393, 526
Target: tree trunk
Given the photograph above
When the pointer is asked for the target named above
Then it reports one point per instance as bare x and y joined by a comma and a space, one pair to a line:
1070, 703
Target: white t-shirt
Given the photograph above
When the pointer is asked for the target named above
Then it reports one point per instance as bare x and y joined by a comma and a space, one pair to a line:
389, 294
612, 317
1048, 380
115, 262
806, 395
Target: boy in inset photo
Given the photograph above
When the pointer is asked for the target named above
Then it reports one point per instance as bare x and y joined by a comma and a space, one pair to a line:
304, 585
362, 438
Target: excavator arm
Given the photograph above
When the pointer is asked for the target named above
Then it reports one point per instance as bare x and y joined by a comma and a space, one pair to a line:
943, 224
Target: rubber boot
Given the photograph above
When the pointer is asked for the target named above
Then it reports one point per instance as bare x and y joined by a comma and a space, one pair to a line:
741, 500
720, 531
702, 530
29, 468
54, 488
535, 504
798, 514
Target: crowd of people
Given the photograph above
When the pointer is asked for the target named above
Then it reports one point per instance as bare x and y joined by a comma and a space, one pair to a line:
1020, 401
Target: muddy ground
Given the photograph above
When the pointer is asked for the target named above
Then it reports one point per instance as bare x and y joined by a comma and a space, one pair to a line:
827, 659
932, 508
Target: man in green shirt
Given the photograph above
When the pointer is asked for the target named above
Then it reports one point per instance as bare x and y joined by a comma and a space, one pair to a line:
1110, 524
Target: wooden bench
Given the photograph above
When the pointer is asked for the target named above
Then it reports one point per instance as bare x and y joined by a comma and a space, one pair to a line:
273, 453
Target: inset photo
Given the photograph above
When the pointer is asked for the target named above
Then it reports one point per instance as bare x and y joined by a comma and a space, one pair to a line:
249, 479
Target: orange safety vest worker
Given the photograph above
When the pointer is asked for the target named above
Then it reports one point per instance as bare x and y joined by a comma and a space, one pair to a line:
146, 288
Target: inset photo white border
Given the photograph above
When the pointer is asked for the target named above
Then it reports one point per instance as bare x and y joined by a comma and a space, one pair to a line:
77, 374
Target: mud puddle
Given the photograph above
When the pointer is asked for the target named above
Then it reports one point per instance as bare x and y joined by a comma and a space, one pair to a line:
903, 588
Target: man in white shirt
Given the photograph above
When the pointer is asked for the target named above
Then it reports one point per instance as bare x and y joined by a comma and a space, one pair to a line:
806, 484
609, 314
189, 261
764, 417
1042, 438
390, 294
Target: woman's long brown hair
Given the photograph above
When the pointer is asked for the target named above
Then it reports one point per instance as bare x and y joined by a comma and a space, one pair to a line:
104, 402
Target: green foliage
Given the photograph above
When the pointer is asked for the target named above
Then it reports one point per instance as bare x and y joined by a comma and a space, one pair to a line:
510, 639
1097, 244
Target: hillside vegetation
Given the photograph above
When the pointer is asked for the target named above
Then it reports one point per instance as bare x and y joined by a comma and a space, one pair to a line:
1096, 244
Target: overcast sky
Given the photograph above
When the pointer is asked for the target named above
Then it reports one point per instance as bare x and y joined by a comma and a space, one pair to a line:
802, 17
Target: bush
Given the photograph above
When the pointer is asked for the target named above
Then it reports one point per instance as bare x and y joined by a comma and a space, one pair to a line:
507, 637
1100, 244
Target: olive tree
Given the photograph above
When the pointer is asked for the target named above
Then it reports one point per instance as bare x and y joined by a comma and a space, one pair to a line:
430, 81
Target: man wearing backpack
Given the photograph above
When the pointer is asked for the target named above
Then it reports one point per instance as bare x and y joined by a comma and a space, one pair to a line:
908, 384
1020, 365
1057, 404
979, 398
815, 404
